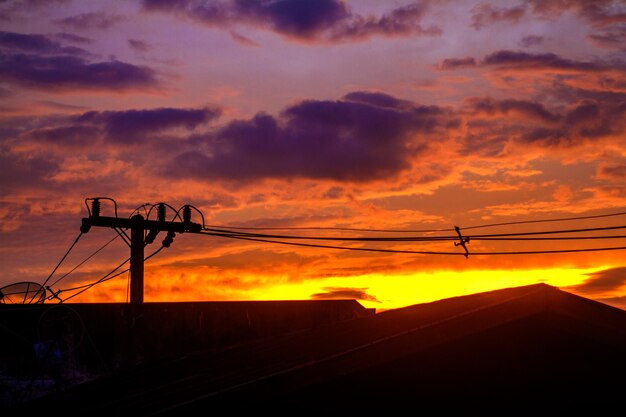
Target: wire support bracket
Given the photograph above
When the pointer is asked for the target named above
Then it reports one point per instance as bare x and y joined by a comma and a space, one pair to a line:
463, 240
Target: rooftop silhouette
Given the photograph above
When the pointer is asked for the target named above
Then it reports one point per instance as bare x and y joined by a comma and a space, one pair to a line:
509, 349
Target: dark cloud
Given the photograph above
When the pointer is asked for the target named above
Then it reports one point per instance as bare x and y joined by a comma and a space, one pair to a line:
612, 38
70, 37
71, 136
531, 40
20, 172
136, 125
599, 13
310, 20
341, 293
40, 44
87, 21
37, 62
532, 109
69, 72
602, 281
524, 60
344, 140
486, 14
455, 63
239, 38
606, 18
139, 46
614, 172
586, 120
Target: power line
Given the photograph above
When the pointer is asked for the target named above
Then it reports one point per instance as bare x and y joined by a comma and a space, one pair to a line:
106, 277
420, 230
562, 219
63, 258
85, 260
312, 245
499, 236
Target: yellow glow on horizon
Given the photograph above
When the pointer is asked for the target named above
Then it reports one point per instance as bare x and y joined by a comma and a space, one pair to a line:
401, 290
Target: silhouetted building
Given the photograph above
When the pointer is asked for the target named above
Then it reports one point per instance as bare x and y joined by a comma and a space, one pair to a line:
530, 349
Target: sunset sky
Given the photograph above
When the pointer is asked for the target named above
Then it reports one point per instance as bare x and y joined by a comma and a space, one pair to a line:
321, 114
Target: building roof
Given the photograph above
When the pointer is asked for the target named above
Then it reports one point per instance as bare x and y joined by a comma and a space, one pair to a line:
516, 347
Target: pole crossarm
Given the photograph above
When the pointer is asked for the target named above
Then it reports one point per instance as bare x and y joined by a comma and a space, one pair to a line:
138, 239
124, 223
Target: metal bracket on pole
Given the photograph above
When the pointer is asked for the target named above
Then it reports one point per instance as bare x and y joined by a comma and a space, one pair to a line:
138, 225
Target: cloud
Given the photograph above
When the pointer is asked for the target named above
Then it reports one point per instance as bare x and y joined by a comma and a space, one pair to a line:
606, 18
40, 44
612, 38
335, 293
456, 63
92, 20
531, 40
34, 61
527, 108
616, 172
579, 122
304, 20
70, 37
133, 125
485, 14
20, 172
239, 38
524, 60
139, 46
598, 12
363, 137
600, 282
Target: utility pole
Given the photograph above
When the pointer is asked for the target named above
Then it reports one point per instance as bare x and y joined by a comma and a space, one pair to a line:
138, 238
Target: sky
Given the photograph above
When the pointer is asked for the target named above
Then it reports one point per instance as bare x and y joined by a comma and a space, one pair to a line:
321, 118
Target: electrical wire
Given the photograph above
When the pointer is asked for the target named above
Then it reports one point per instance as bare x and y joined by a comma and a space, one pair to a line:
62, 259
420, 230
83, 262
418, 252
106, 277
499, 236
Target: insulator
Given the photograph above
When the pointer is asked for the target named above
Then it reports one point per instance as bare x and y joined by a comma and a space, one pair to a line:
187, 214
95, 207
161, 212
169, 239
152, 234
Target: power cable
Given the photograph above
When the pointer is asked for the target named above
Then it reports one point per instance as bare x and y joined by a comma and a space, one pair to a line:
85, 260
416, 252
63, 258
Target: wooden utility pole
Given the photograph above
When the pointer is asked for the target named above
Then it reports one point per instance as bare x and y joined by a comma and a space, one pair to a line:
138, 239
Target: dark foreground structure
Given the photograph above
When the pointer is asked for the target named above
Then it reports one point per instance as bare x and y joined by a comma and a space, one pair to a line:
527, 350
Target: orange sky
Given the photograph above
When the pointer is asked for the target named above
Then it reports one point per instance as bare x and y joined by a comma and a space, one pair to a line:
327, 114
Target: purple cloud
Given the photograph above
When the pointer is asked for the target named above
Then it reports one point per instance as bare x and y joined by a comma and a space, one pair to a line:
21, 171
601, 281
353, 139
518, 59
138, 46
485, 14
456, 63
614, 171
310, 20
71, 136
70, 37
135, 125
40, 44
35, 61
87, 21
342, 293
531, 40
528, 108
